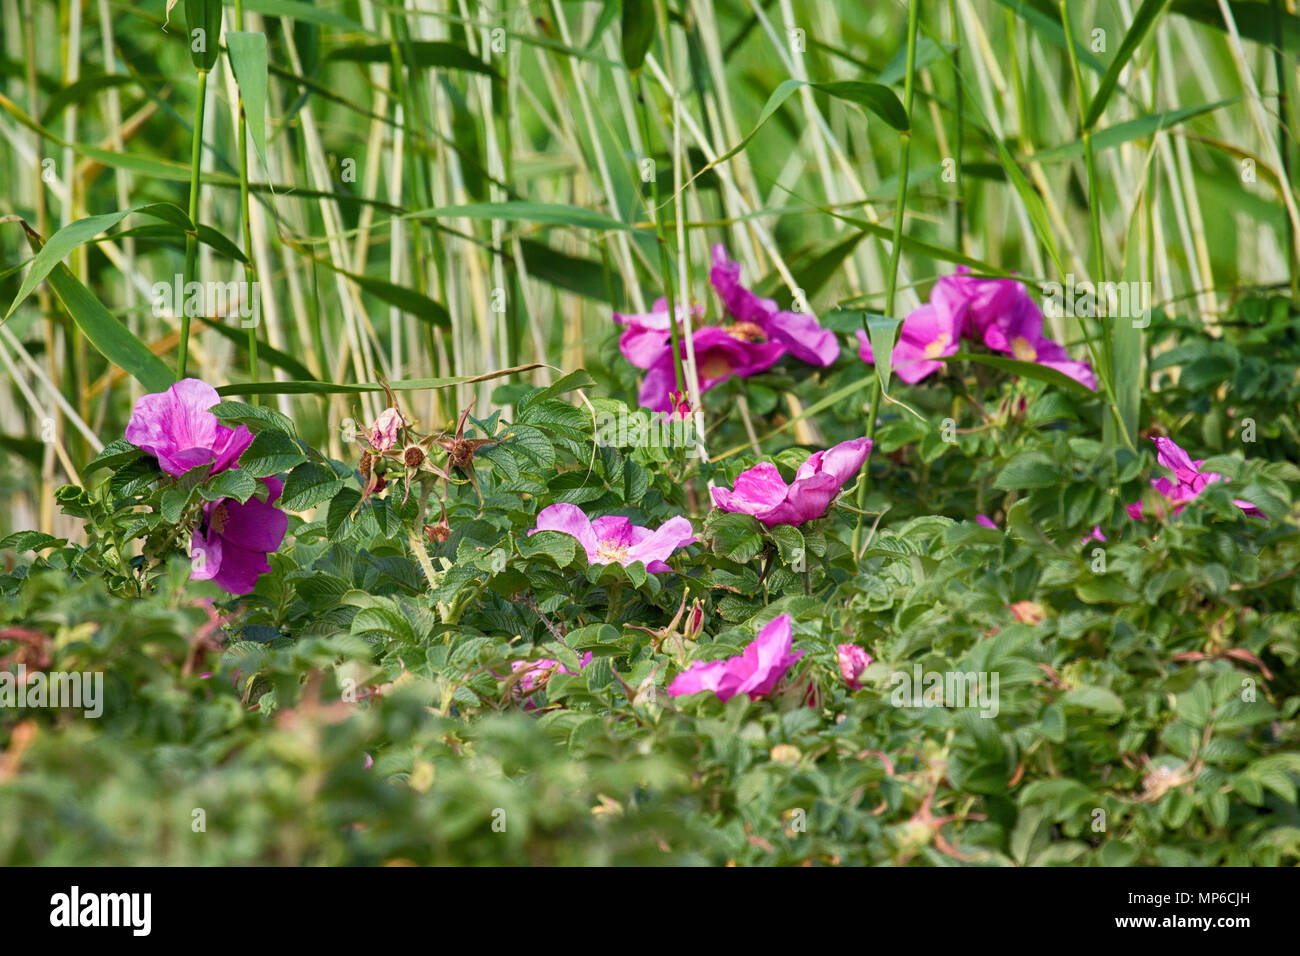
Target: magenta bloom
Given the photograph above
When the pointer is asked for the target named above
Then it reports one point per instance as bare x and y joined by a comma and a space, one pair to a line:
762, 492
800, 332
615, 540
232, 541
928, 334
986, 521
719, 354
1189, 481
853, 661
176, 427
755, 672
984, 301
1000, 313
537, 673
650, 333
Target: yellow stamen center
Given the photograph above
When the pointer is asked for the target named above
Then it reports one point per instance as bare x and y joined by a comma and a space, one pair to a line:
746, 332
611, 553
1023, 349
935, 349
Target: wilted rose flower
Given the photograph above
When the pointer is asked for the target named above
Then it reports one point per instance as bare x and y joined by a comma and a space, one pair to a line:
176, 427
534, 675
1028, 612
615, 540
232, 541
762, 492
383, 434
853, 661
755, 672
537, 673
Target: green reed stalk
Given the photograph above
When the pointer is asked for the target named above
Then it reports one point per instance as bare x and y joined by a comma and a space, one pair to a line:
1105, 363
191, 240
896, 248
250, 270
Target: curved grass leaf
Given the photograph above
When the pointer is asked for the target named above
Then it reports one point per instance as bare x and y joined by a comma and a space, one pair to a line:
417, 53
548, 214
1143, 20
336, 388
1139, 128
1024, 369
114, 341
60, 245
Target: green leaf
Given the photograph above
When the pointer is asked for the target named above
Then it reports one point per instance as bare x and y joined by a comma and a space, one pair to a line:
1094, 698
1143, 127
1049, 25
547, 214
113, 340
75, 234
271, 453
1104, 589
247, 52
1255, 21
882, 331
875, 97
1143, 20
255, 418
736, 537
1024, 369
308, 485
559, 547
417, 53
116, 453
232, 483
21, 541
340, 509
205, 16
1028, 469
638, 18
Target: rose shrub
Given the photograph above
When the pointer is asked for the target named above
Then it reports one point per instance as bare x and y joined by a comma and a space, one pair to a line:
523, 645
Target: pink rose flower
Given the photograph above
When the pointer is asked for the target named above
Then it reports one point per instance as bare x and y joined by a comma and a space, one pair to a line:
929, 333
1189, 481
719, 354
232, 541
615, 540
176, 427
853, 661
649, 333
760, 491
756, 672
800, 332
